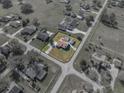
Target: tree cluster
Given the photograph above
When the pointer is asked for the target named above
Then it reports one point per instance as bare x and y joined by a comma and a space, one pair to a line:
26, 8
89, 20
17, 48
6, 3
109, 20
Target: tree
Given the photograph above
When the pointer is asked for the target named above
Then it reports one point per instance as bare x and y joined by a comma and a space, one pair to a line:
109, 19
79, 38
97, 3
25, 22
83, 65
7, 4
105, 16
68, 7
20, 1
112, 17
89, 20
17, 48
35, 22
26, 8
15, 76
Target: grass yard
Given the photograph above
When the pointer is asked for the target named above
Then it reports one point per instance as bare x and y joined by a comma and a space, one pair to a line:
73, 83
45, 48
3, 39
119, 87
10, 30
38, 44
61, 54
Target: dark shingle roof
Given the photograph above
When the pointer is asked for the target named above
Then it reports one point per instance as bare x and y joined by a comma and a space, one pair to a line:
36, 71
15, 90
29, 30
43, 36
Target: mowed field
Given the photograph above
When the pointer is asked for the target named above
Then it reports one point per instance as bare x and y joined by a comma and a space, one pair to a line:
73, 84
111, 38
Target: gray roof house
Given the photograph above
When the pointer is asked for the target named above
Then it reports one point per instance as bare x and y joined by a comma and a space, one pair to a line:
15, 24
6, 50
4, 19
14, 88
29, 30
10, 17
43, 36
36, 71
68, 23
13, 16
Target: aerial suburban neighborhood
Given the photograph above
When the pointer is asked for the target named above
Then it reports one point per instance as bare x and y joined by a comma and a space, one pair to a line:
61, 46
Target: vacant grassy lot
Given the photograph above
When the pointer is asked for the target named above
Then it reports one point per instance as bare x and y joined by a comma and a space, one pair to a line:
61, 54
72, 83
38, 44
111, 38
10, 30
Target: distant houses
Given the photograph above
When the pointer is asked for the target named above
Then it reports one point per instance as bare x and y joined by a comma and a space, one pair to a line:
10, 17
85, 6
68, 23
117, 3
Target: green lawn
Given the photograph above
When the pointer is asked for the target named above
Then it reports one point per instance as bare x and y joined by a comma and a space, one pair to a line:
61, 54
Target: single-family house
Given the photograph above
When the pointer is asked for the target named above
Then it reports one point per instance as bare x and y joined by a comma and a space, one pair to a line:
15, 24
36, 71
29, 30
43, 36
14, 88
6, 50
